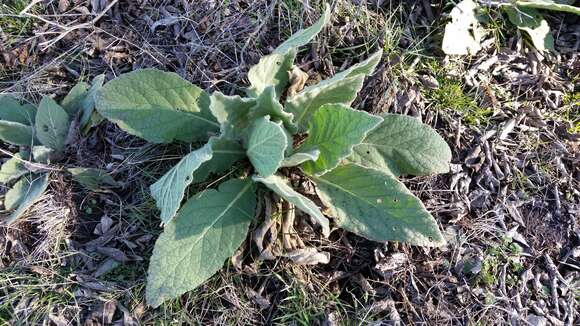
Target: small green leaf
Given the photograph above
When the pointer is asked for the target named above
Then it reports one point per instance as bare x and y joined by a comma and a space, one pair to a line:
215, 157
23, 194
93, 179
531, 21
341, 88
267, 104
12, 169
12, 110
271, 71
403, 145
462, 34
225, 154
16, 133
334, 130
304, 36
549, 5
43, 154
305, 103
232, 113
299, 158
280, 186
88, 103
52, 123
72, 101
208, 229
168, 191
377, 206
157, 106
365, 68
266, 145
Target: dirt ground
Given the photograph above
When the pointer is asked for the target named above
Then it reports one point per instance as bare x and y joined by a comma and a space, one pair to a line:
510, 207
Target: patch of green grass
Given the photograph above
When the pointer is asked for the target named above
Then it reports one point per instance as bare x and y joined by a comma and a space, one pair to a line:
28, 298
450, 96
10, 22
302, 306
571, 111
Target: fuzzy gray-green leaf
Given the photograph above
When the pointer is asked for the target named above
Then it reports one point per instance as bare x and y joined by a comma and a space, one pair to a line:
12, 169
549, 5
266, 145
306, 35
280, 186
305, 103
377, 206
12, 110
17, 133
341, 88
169, 190
23, 194
52, 123
334, 130
531, 21
267, 104
88, 103
71, 103
403, 145
157, 106
216, 156
271, 70
232, 113
299, 158
208, 229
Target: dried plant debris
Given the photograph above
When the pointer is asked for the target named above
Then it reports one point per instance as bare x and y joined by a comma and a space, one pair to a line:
508, 209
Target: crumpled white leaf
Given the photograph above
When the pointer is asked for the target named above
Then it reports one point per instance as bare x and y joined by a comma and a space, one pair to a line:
462, 34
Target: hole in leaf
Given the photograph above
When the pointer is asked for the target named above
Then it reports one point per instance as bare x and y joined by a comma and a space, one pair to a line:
45, 128
379, 200
188, 178
278, 63
396, 200
430, 239
368, 152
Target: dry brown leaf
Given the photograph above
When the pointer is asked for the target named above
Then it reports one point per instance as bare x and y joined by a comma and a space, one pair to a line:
298, 79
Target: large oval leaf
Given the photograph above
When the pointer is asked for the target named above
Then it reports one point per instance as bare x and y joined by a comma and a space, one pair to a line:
23, 194
280, 186
207, 230
157, 106
377, 206
334, 130
266, 145
403, 145
52, 123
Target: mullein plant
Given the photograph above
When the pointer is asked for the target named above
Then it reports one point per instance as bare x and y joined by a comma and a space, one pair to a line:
41, 135
352, 157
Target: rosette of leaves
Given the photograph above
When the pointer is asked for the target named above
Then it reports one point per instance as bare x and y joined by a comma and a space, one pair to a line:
352, 157
41, 135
